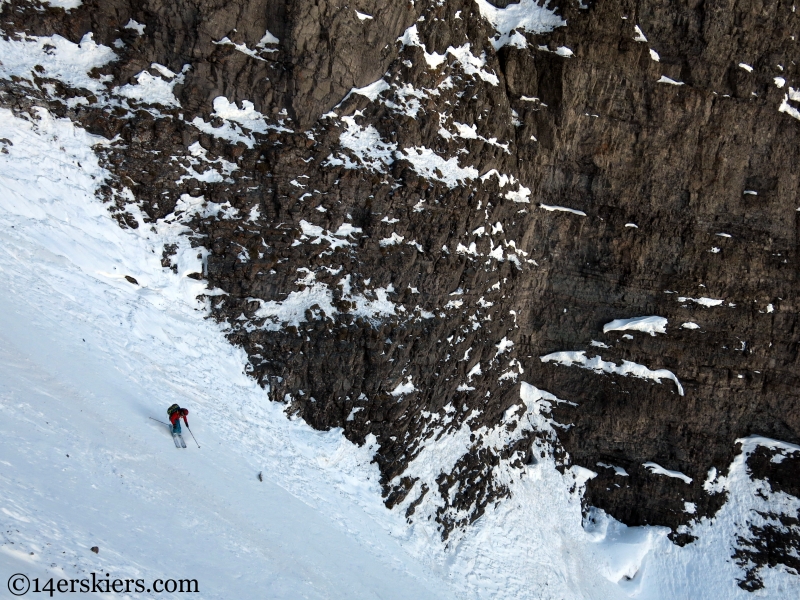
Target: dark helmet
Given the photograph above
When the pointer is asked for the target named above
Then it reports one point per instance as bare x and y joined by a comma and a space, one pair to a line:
185, 411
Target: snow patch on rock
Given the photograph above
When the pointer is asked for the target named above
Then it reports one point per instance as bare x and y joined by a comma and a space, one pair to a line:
432, 166
55, 57
152, 89
651, 325
596, 363
239, 124
525, 15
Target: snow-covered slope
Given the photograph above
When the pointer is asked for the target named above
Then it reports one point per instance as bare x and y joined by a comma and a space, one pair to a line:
86, 357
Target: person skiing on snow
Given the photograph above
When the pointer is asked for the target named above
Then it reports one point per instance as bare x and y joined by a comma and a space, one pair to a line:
175, 413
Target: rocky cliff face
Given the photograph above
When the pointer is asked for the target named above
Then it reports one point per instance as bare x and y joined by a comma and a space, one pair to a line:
413, 207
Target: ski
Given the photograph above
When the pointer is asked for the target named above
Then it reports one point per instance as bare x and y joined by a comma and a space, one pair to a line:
176, 437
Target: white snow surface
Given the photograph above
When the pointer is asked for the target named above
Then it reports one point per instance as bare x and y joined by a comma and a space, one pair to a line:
315, 527
135, 26
392, 240
665, 79
785, 107
371, 91
65, 4
366, 144
226, 41
598, 364
552, 208
706, 302
429, 164
86, 357
317, 298
239, 124
471, 64
525, 15
404, 388
520, 195
267, 38
152, 89
651, 325
657, 469
60, 59
617, 470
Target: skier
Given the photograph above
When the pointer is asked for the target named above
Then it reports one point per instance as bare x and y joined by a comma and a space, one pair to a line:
175, 413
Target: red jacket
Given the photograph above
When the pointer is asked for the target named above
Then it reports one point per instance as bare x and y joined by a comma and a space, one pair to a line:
176, 416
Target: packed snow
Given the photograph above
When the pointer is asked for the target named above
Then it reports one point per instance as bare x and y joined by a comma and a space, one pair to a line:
86, 357
371, 91
471, 64
226, 41
785, 107
366, 145
665, 79
267, 39
617, 470
404, 388
65, 4
316, 298
135, 26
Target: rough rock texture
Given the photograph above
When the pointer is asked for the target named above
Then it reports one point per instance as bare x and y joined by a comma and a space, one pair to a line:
406, 331
322, 50
771, 545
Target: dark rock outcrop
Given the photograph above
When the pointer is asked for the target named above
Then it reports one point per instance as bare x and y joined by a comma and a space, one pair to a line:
321, 50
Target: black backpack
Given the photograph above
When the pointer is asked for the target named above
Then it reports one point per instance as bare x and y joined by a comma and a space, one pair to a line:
173, 409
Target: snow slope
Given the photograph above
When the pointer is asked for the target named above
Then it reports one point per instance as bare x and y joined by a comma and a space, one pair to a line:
86, 357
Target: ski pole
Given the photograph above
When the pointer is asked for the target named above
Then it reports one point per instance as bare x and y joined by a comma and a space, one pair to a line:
162, 422
194, 438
